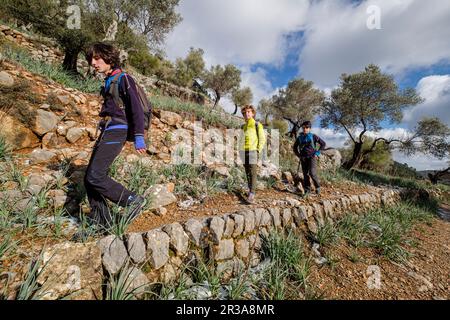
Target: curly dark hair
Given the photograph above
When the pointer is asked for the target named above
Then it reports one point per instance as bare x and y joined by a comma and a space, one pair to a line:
107, 52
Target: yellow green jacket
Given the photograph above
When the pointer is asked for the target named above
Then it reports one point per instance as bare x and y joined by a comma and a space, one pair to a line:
250, 141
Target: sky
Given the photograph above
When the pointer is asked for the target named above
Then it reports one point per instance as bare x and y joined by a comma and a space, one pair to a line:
275, 41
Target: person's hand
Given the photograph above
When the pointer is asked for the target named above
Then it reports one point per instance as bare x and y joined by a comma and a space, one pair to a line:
139, 144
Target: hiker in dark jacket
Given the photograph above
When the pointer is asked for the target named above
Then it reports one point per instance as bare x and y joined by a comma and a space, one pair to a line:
307, 147
117, 126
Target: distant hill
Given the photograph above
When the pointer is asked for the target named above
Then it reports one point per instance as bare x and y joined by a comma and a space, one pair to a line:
445, 179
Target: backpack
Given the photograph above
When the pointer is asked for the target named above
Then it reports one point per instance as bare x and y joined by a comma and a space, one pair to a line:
256, 127
145, 103
313, 144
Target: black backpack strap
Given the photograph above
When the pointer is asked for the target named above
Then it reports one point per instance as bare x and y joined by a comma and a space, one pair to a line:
114, 90
257, 131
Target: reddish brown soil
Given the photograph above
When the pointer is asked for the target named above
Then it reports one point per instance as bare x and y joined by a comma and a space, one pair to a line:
226, 203
347, 280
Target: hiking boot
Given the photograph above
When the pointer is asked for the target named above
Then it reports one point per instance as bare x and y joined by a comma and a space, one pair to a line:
135, 208
251, 198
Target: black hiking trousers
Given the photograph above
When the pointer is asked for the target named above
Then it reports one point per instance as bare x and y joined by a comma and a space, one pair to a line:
99, 186
309, 168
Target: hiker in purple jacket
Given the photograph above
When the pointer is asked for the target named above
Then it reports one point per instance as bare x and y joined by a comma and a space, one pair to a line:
122, 120
307, 147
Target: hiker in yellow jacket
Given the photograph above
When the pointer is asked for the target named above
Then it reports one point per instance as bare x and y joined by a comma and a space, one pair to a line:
251, 148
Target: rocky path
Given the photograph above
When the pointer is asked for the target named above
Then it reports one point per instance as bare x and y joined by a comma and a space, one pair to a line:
361, 274
226, 203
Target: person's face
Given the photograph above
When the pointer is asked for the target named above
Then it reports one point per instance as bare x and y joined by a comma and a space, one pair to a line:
248, 114
100, 65
306, 130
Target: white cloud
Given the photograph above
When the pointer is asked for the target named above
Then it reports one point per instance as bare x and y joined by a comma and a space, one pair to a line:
436, 92
239, 32
332, 139
414, 33
420, 162
235, 31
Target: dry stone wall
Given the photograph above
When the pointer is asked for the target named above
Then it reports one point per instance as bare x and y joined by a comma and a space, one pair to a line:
231, 241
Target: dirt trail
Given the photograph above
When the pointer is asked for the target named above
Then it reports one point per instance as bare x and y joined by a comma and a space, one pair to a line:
226, 203
425, 276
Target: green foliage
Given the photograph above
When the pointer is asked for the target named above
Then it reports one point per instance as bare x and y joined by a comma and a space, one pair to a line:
327, 234
16, 175
384, 229
151, 20
121, 220
17, 100
363, 102
271, 182
6, 245
281, 125
5, 149
206, 273
144, 62
379, 159
222, 80
288, 270
28, 216
119, 287
265, 108
403, 171
186, 70
235, 180
241, 97
366, 99
53, 72
208, 116
30, 288
6, 214
297, 103
430, 137
140, 177
375, 178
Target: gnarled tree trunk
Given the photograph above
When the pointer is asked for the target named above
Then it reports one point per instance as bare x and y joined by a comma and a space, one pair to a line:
356, 157
70, 60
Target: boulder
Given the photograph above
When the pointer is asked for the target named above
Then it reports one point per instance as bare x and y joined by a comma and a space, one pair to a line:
136, 282
223, 251
17, 136
216, 227
170, 118
221, 171
269, 170
114, 253
40, 155
157, 248
50, 140
179, 240
63, 99
193, 228
160, 195
6, 80
45, 121
71, 270
74, 134
136, 247
330, 159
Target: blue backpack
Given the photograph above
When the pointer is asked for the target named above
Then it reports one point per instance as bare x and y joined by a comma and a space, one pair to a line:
309, 139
